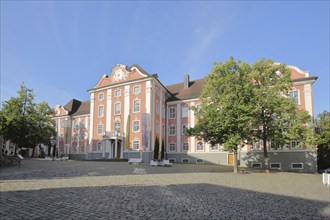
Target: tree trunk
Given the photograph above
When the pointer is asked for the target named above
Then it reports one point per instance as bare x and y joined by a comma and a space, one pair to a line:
33, 151
235, 163
266, 158
54, 150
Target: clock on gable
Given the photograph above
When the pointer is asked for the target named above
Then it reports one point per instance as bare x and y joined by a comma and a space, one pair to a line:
119, 74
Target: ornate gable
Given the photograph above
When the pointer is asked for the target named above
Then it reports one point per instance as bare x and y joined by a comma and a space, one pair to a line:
122, 73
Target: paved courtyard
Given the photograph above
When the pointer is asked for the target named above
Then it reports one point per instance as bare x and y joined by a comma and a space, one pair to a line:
116, 190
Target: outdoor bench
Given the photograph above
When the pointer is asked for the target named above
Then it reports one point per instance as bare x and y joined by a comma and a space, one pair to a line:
134, 160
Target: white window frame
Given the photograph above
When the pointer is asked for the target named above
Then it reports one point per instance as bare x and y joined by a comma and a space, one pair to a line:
136, 124
200, 161
169, 130
185, 111
172, 115
254, 143
137, 87
98, 112
214, 148
98, 129
172, 160
139, 102
172, 147
187, 145
117, 93
260, 165
99, 146
184, 129
117, 103
275, 168
296, 98
100, 96
198, 144
297, 142
138, 144
297, 168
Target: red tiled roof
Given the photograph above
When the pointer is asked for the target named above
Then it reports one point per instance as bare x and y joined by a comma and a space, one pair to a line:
179, 93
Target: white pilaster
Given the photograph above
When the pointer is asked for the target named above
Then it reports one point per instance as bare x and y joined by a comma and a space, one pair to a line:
126, 105
308, 98
160, 124
91, 122
192, 124
108, 113
152, 114
178, 127
116, 145
148, 96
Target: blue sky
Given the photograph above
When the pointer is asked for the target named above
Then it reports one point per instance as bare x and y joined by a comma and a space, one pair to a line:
61, 48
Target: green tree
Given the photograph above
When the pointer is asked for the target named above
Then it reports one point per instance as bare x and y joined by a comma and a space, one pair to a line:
276, 118
225, 113
156, 150
322, 127
322, 124
24, 122
162, 153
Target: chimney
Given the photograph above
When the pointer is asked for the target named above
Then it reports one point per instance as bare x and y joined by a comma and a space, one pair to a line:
186, 81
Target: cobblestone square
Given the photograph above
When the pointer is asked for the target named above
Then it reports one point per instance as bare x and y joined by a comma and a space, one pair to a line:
116, 190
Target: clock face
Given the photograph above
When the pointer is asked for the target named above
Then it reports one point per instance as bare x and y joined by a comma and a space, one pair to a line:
119, 75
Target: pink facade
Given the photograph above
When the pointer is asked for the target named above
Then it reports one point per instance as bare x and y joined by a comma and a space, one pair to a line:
154, 111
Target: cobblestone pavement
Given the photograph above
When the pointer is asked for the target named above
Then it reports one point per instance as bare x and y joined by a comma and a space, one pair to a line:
116, 190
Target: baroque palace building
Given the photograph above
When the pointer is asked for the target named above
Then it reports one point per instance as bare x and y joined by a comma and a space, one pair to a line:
130, 108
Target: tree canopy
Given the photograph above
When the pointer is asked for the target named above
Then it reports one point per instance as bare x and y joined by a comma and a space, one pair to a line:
24, 122
322, 124
225, 113
242, 103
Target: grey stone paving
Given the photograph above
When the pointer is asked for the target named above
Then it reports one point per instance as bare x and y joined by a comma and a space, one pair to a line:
116, 190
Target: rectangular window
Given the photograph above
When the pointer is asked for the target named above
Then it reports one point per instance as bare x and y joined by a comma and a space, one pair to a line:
172, 130
172, 160
157, 108
100, 129
215, 147
185, 110
256, 165
82, 136
99, 146
185, 146
200, 146
101, 96
172, 113
184, 129
275, 166
136, 107
136, 145
117, 108
295, 144
101, 111
172, 147
117, 93
136, 126
295, 96
185, 160
296, 166
199, 160
275, 146
137, 89
256, 145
